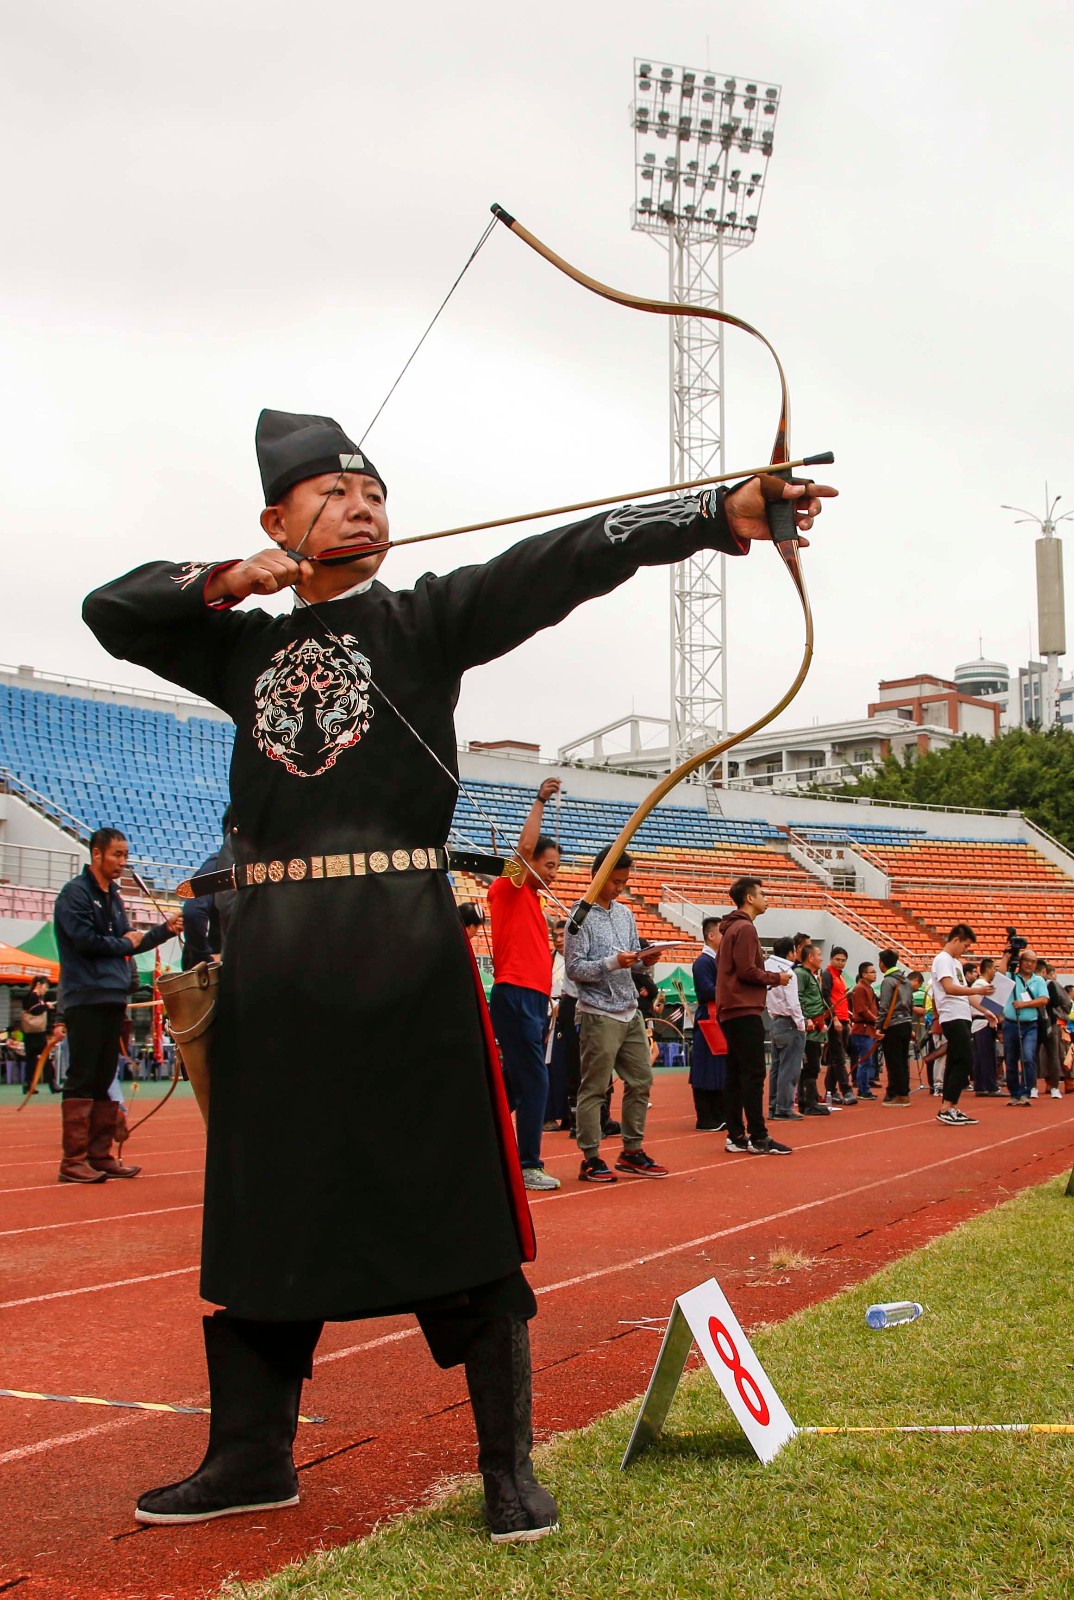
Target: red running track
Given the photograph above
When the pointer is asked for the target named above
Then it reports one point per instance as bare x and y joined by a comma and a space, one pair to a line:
98, 1296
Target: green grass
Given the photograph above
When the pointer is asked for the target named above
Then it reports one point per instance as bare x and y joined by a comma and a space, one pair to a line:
888, 1518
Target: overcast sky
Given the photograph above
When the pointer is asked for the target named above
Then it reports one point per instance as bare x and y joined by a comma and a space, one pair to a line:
216, 205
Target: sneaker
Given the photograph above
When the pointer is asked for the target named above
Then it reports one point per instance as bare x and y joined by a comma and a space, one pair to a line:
956, 1118
960, 1116
594, 1170
866, 1094
769, 1147
538, 1178
639, 1163
817, 1111
736, 1147
1033, 1093
1056, 1094
850, 1100
947, 1116
785, 1116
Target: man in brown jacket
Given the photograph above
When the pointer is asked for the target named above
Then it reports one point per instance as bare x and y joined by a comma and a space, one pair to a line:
742, 985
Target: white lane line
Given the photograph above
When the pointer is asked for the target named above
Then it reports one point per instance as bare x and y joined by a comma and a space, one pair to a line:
89, 1222
567, 1283
24, 1451
36, 1188
49, 1156
96, 1288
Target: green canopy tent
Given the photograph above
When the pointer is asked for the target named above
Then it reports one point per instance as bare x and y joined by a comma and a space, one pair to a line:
43, 943
680, 978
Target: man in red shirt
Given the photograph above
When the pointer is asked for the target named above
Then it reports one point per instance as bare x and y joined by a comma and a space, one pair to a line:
522, 982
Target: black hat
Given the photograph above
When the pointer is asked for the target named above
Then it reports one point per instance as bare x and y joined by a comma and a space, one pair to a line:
291, 447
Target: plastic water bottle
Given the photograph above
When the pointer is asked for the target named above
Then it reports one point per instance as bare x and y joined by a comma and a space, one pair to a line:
893, 1313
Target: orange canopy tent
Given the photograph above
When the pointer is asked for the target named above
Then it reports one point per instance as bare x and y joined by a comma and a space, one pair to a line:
18, 966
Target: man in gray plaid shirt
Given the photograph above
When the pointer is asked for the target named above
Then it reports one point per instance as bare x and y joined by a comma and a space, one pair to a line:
600, 960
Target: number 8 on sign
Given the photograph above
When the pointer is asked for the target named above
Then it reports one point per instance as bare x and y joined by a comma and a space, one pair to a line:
745, 1383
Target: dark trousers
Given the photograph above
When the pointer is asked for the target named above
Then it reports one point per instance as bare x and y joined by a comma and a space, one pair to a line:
567, 1041
808, 1093
93, 1050
520, 1018
34, 1045
897, 1057
744, 1091
983, 1045
958, 1063
836, 1078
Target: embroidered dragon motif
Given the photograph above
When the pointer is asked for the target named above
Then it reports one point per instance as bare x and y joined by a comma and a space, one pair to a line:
312, 702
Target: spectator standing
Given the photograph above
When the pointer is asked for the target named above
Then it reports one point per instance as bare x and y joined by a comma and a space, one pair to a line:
1059, 1009
522, 982
600, 959
96, 943
951, 998
864, 1035
556, 1115
983, 1035
1021, 1028
742, 985
708, 1067
815, 1013
34, 1022
787, 1036
837, 1084
895, 1007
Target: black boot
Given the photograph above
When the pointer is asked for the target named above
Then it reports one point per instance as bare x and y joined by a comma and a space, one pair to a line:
500, 1380
249, 1464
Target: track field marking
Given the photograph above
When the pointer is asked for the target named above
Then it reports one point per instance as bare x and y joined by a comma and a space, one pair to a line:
48, 1156
36, 1188
95, 1288
89, 1222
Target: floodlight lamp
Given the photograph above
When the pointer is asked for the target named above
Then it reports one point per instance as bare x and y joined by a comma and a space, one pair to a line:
644, 69
749, 102
649, 172
755, 177
710, 81
732, 187
770, 108
666, 72
751, 222
692, 165
690, 210
731, 215
710, 183
766, 148
705, 124
729, 83
663, 117
749, 189
710, 214
707, 96
770, 94
646, 203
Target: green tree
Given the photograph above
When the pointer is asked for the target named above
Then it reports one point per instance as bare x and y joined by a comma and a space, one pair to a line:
1027, 769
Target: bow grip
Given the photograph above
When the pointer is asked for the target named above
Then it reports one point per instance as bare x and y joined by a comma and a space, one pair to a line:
780, 516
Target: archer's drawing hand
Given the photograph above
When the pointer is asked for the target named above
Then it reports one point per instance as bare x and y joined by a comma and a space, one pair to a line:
548, 788
175, 922
267, 572
745, 509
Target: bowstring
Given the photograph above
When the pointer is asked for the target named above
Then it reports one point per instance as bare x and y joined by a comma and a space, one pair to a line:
471, 258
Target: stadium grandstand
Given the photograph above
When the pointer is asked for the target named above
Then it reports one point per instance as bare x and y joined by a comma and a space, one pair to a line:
75, 755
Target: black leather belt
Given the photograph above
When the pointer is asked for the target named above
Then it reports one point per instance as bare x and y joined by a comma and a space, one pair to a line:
350, 864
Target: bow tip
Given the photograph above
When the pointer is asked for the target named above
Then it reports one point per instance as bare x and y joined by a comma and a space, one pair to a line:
502, 215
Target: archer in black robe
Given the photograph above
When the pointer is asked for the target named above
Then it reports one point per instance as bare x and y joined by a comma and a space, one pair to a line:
344, 1178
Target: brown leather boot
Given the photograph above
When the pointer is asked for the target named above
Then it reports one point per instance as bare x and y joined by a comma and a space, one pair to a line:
75, 1168
108, 1125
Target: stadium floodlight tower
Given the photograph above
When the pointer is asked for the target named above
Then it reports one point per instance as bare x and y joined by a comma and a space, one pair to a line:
1051, 604
702, 142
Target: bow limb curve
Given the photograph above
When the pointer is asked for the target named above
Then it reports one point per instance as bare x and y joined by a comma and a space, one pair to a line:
781, 521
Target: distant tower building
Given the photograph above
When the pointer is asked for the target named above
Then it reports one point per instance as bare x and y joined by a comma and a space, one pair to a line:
986, 680
1051, 608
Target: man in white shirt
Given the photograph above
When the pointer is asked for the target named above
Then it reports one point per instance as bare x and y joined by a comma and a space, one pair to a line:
950, 993
787, 1034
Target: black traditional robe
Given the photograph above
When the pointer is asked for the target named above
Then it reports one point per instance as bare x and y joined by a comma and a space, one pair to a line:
353, 1160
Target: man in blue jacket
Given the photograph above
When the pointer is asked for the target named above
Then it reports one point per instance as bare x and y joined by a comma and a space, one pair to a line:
96, 944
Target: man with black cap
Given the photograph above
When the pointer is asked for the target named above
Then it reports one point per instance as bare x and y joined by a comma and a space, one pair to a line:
344, 780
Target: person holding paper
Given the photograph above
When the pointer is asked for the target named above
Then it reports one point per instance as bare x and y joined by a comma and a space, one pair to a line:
1021, 1028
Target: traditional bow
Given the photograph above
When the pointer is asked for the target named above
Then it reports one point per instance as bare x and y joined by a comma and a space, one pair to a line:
781, 523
